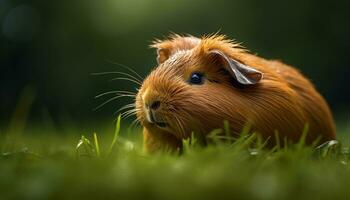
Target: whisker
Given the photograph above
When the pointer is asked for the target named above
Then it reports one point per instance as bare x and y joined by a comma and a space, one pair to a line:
135, 110
123, 95
121, 73
109, 100
126, 117
134, 123
130, 114
131, 105
127, 79
115, 92
182, 127
126, 112
178, 124
126, 67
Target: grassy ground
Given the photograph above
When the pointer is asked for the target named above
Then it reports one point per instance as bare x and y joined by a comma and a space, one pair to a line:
66, 166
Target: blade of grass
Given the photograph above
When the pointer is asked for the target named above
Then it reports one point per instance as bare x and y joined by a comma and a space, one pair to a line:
87, 147
278, 140
116, 134
97, 146
302, 140
18, 120
213, 135
227, 128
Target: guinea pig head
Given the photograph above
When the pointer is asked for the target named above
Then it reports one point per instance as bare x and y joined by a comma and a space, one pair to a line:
195, 87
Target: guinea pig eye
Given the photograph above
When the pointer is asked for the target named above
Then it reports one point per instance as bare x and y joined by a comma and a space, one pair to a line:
196, 78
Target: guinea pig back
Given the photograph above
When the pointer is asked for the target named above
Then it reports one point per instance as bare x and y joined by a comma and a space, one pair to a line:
200, 82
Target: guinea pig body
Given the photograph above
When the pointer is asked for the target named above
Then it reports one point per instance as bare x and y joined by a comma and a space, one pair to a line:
199, 83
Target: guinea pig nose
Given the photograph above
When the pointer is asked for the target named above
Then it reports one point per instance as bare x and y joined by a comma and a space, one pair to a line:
155, 105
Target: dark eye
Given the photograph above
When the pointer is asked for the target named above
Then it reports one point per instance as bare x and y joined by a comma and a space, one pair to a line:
196, 78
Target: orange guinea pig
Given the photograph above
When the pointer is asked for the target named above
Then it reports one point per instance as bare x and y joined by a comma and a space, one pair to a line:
200, 82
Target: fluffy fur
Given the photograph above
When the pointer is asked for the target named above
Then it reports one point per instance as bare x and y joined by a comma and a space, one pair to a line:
284, 101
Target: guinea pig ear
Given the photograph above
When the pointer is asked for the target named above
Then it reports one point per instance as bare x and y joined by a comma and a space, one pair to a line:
167, 48
162, 55
244, 74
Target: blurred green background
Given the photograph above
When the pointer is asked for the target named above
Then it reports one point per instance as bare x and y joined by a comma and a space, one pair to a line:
48, 49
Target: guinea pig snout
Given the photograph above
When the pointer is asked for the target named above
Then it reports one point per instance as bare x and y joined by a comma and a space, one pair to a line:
153, 106
153, 115
153, 109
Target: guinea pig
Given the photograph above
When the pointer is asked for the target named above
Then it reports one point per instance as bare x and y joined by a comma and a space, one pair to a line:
201, 82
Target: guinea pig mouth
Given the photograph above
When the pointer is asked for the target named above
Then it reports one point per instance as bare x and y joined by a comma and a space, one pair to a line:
161, 124
152, 119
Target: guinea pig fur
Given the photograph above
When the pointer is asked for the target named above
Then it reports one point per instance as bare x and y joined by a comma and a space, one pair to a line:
201, 82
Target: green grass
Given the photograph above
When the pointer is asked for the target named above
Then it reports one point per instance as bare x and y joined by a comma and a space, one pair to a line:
113, 166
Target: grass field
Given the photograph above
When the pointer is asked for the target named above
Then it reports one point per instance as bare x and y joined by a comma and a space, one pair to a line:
50, 164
